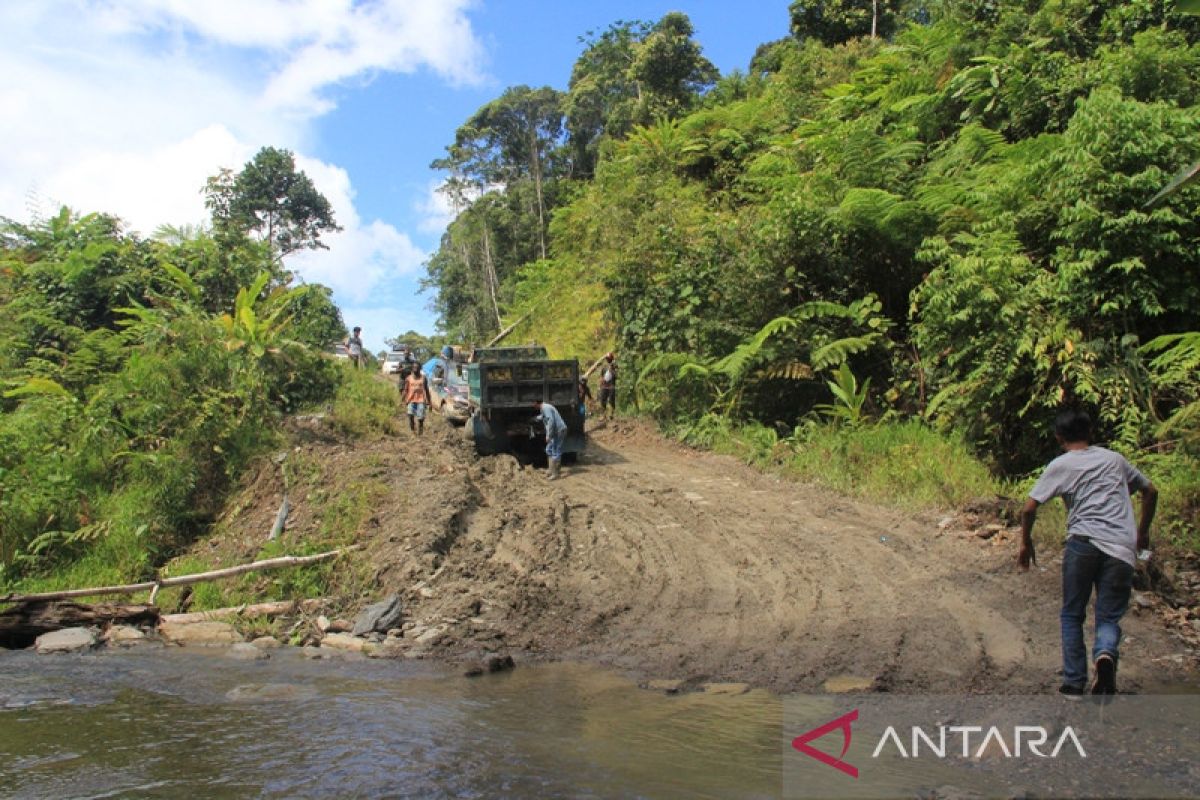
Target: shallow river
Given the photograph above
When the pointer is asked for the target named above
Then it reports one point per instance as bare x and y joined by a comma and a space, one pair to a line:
192, 723
186, 724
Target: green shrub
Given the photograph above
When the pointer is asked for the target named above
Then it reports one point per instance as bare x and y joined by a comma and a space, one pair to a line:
904, 463
366, 405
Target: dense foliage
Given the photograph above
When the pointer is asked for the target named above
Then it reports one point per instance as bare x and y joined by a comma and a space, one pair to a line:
981, 174
137, 377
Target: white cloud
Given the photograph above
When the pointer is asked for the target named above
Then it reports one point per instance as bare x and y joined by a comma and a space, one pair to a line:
126, 106
318, 43
436, 210
363, 256
148, 188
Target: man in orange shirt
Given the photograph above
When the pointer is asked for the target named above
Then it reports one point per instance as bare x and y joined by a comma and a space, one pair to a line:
416, 398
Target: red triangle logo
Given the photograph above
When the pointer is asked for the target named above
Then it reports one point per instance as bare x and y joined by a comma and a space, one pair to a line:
842, 723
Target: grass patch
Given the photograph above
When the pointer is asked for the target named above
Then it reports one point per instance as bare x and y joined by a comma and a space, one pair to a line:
903, 464
366, 406
341, 505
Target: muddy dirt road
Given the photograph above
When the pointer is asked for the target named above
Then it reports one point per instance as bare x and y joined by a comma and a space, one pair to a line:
677, 564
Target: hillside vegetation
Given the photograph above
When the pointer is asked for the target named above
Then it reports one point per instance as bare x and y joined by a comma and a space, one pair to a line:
139, 377
946, 223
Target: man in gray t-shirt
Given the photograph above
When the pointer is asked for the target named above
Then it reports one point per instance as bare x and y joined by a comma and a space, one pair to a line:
1101, 548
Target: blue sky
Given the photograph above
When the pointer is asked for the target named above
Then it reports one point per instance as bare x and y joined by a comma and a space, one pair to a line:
125, 106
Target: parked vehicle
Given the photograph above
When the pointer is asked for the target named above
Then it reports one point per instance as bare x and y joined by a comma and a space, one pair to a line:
503, 382
448, 384
391, 363
341, 352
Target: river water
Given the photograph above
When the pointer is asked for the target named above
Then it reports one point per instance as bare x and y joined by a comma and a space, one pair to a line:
195, 723
182, 723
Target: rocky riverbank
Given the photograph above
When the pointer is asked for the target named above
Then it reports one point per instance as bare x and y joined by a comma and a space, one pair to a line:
377, 632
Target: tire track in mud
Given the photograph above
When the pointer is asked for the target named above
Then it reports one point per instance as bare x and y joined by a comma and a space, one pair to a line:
679, 564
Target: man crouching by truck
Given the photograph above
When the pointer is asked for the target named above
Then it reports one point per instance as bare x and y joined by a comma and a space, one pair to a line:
1101, 549
556, 434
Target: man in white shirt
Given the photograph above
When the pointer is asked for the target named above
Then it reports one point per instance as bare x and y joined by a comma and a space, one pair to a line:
1101, 548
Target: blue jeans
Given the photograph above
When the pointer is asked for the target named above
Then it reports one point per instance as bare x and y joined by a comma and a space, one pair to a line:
1084, 566
554, 445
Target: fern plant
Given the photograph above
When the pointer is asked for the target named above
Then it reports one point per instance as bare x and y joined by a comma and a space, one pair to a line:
767, 354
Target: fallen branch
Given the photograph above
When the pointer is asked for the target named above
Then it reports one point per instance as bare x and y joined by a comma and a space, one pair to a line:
182, 580
273, 609
506, 331
592, 368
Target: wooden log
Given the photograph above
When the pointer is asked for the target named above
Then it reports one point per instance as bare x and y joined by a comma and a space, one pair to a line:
273, 609
23, 623
592, 368
506, 331
182, 580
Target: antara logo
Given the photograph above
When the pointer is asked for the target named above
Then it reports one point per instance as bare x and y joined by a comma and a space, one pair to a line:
1030, 739
801, 743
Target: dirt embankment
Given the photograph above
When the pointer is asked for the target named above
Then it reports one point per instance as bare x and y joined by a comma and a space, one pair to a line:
677, 564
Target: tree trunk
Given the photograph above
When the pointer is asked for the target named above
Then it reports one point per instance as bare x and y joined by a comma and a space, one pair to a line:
537, 184
492, 278
20, 625
495, 339
874, 16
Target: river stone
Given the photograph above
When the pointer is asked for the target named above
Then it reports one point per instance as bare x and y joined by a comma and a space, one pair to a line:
726, 688
842, 684
380, 616
244, 651
343, 641
431, 635
498, 662
67, 640
391, 648
664, 685
124, 635
199, 633
266, 643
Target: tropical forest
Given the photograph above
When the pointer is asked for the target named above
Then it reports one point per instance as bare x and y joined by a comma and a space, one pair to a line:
881, 256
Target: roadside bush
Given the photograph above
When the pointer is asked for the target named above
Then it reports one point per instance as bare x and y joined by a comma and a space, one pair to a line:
129, 408
364, 405
904, 463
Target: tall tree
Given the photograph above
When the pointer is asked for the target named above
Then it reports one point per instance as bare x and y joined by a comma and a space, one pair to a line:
631, 74
835, 21
271, 201
668, 69
513, 138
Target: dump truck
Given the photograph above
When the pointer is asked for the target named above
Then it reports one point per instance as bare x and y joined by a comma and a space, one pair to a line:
503, 383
